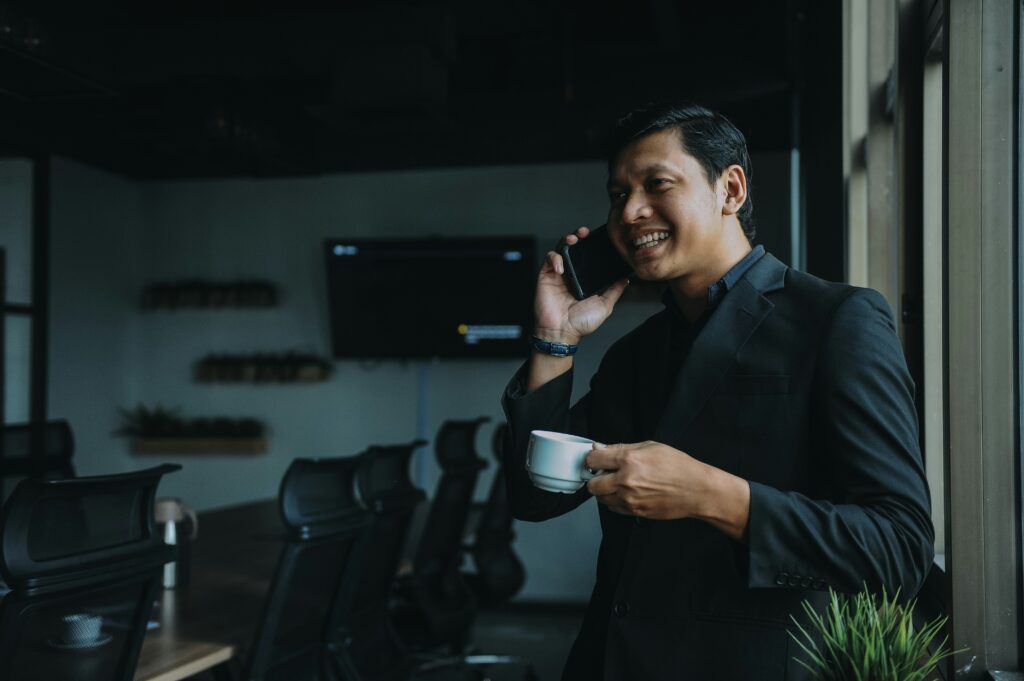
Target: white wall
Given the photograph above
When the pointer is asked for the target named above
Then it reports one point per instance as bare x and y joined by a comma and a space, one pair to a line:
95, 264
111, 236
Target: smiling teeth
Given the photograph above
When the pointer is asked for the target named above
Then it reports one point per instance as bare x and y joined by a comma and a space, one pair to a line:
649, 239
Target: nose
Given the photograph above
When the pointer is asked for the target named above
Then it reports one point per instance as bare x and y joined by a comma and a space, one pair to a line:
636, 208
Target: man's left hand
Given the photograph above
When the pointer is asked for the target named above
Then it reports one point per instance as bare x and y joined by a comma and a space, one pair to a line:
652, 480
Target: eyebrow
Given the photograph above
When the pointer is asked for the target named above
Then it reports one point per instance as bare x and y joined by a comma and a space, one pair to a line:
647, 170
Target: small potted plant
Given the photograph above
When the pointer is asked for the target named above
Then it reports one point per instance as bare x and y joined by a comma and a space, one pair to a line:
869, 638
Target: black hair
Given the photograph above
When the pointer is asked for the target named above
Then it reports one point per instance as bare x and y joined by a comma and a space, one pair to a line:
708, 136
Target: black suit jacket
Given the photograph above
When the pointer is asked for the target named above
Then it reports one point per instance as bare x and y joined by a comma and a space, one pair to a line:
797, 385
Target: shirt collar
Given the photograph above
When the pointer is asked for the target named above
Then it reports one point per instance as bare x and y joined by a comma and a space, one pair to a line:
726, 283
718, 290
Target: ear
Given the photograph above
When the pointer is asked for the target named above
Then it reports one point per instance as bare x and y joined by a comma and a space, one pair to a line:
734, 182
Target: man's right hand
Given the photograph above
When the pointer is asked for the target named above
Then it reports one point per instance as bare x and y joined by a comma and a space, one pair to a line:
559, 317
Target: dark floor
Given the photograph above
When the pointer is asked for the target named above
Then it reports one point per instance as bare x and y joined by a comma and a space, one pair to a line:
542, 634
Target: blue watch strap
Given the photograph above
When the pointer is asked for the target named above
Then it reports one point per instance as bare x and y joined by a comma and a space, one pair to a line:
552, 348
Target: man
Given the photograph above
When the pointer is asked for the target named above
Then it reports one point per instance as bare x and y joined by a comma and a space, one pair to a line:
774, 449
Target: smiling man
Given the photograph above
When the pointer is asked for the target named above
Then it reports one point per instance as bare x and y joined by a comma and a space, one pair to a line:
761, 435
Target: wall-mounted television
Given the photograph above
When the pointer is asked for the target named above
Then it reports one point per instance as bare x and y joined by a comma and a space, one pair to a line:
424, 298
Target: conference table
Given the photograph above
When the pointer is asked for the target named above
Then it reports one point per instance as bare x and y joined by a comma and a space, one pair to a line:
212, 618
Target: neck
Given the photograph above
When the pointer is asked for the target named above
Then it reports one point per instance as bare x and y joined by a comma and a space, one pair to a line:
691, 290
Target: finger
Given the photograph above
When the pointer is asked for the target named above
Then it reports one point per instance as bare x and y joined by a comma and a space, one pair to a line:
612, 503
605, 457
554, 261
571, 239
612, 294
582, 232
602, 485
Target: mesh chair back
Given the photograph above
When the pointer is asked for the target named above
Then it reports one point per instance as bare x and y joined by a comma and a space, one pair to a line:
439, 550
375, 650
500, 574
311, 594
17, 457
384, 487
446, 603
83, 565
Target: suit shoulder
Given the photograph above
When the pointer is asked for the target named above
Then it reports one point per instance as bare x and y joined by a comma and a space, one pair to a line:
827, 296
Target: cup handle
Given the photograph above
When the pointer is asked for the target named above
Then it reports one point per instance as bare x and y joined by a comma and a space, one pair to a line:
589, 473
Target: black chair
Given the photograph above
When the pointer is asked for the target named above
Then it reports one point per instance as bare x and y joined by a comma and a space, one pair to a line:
311, 596
443, 606
499, 572
439, 606
54, 461
374, 651
82, 564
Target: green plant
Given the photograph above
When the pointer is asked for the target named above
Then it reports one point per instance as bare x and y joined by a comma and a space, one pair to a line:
149, 421
869, 638
159, 422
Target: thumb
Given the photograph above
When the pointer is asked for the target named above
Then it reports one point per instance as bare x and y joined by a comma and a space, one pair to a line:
614, 292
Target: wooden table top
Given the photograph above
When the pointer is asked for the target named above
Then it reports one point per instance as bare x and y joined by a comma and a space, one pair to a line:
214, 617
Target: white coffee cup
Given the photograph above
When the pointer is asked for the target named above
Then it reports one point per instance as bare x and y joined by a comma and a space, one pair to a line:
556, 462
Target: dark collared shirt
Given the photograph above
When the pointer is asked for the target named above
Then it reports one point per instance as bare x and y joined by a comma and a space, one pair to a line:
683, 331
725, 284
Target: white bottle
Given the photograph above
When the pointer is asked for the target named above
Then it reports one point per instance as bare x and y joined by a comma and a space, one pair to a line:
170, 569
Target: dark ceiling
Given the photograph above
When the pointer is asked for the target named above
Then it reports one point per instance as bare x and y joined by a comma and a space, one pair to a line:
194, 89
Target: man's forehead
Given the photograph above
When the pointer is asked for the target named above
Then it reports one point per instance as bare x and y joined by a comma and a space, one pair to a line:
660, 151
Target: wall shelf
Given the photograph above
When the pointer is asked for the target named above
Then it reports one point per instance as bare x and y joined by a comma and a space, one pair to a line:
198, 445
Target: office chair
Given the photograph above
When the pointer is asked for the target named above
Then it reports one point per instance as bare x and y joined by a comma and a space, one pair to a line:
499, 572
374, 651
439, 607
77, 596
18, 459
311, 596
442, 605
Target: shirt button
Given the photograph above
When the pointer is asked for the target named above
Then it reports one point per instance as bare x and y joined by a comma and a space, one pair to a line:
794, 580
781, 578
621, 608
805, 583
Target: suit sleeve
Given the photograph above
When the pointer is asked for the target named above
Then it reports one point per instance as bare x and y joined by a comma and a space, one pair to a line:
546, 408
875, 526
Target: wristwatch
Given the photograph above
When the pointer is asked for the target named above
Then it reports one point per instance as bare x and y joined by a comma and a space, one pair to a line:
552, 348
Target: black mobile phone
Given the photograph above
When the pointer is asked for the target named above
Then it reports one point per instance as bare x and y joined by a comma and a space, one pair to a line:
593, 264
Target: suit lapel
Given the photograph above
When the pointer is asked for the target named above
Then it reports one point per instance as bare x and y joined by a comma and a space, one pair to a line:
714, 350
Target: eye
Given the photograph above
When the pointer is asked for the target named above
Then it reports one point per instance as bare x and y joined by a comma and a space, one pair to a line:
616, 197
658, 183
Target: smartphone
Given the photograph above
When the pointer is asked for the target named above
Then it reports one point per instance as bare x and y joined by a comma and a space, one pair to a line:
593, 264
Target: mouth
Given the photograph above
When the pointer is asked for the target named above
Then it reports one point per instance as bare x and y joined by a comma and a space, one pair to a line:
649, 241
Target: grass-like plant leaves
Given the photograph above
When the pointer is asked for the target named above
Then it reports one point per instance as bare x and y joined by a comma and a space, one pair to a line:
867, 639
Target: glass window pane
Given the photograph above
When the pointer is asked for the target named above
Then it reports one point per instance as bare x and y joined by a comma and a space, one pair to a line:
16, 227
934, 335
17, 354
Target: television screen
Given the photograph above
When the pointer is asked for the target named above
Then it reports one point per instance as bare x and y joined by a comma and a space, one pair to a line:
441, 297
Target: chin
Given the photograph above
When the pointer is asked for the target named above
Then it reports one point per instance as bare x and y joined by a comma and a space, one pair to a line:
646, 272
